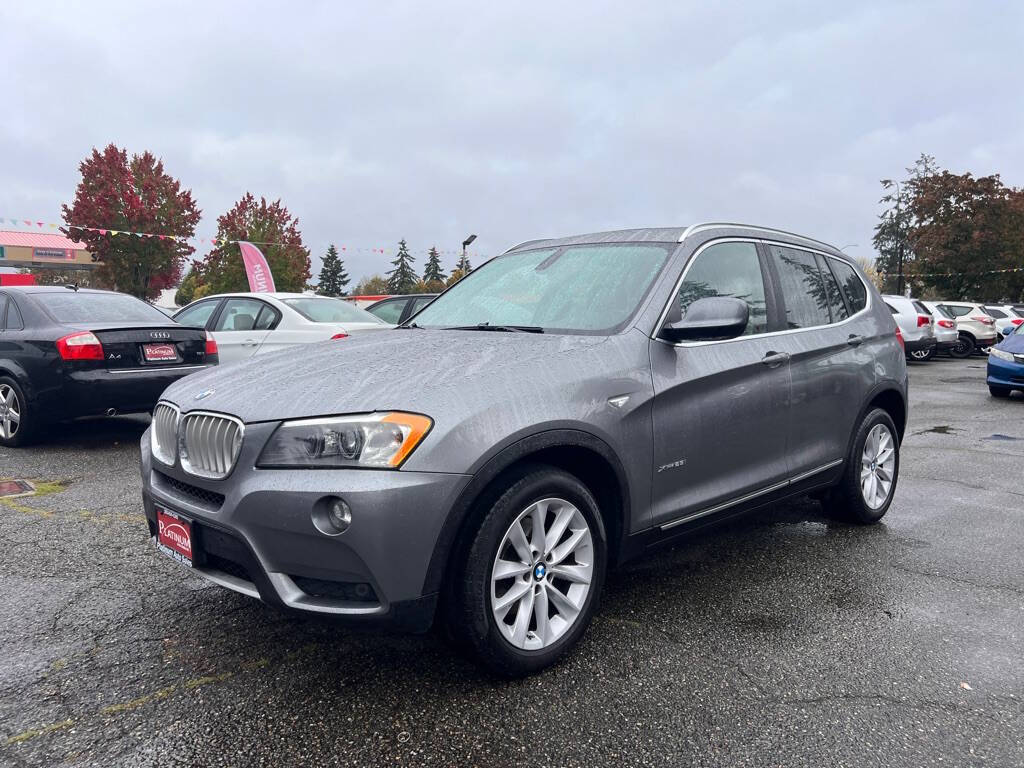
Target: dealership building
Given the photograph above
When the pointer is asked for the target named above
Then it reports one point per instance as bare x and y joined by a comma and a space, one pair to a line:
43, 250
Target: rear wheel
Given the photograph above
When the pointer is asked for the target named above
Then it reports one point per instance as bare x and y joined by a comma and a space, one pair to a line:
922, 355
998, 391
15, 420
963, 348
533, 573
872, 469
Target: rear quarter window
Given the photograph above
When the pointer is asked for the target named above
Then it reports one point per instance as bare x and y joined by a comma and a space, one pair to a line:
853, 288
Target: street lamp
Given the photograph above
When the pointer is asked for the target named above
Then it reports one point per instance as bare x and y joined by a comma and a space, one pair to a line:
468, 241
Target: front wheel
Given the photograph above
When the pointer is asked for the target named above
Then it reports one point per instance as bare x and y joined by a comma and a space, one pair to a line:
533, 573
872, 469
963, 348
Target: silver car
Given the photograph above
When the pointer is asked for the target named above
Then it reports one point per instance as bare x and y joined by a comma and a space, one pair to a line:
917, 325
561, 410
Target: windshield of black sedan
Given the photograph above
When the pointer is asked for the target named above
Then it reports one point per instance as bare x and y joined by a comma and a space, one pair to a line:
578, 288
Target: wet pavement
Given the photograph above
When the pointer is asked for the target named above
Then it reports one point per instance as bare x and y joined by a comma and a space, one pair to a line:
781, 640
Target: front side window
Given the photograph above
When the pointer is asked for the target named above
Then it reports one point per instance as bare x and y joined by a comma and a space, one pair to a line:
728, 269
853, 288
803, 289
198, 315
567, 289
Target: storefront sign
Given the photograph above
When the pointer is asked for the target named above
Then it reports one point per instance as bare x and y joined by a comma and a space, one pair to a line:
53, 253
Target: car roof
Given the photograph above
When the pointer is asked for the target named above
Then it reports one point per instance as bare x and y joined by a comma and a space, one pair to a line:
678, 235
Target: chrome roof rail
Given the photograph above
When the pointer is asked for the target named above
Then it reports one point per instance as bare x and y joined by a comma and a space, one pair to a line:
716, 224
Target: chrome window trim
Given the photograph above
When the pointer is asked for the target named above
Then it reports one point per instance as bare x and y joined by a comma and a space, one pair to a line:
740, 239
183, 461
750, 496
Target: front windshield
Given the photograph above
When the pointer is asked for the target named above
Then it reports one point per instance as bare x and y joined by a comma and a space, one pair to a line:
327, 310
572, 289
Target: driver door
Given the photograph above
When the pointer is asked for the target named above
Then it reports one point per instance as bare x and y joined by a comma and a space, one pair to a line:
721, 408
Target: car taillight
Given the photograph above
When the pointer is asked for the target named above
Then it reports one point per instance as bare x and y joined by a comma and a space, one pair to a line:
339, 336
211, 346
947, 324
983, 319
80, 346
923, 320
899, 338
1017, 320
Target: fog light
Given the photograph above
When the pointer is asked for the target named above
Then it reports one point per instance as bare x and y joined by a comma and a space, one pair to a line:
332, 516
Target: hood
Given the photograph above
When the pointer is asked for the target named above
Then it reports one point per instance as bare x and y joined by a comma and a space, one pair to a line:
414, 370
1013, 343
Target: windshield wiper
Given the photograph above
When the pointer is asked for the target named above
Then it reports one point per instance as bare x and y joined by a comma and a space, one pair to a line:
506, 328
410, 325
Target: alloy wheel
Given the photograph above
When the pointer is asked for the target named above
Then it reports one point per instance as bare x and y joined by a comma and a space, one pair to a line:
920, 354
10, 412
877, 466
542, 574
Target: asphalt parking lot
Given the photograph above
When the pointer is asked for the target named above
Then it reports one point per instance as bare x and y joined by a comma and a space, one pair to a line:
783, 639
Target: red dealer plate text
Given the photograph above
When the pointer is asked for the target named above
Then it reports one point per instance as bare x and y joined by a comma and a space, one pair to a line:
174, 536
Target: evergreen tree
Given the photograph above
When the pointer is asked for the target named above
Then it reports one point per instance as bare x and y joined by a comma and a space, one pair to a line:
463, 265
433, 272
402, 279
333, 277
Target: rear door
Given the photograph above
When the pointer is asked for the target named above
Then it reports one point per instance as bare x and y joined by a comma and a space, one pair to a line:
721, 408
236, 329
830, 361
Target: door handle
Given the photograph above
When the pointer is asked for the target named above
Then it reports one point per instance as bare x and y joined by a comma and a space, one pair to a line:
854, 340
250, 343
774, 359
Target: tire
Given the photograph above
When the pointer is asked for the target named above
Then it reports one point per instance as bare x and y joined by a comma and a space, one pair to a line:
999, 392
855, 500
498, 617
16, 422
921, 356
964, 347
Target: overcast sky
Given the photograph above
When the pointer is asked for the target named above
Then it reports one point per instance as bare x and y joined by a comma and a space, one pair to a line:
376, 121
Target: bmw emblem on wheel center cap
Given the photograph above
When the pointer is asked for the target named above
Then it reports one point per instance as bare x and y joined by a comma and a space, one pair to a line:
539, 571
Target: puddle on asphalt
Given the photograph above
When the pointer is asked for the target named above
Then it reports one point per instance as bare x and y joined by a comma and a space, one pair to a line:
1001, 437
941, 429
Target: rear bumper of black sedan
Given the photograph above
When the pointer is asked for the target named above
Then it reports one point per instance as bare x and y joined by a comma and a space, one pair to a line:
124, 390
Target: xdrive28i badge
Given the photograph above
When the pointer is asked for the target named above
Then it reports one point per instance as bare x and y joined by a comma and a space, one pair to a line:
204, 394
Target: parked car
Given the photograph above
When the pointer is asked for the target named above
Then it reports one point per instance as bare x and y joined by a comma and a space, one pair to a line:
559, 411
1006, 365
247, 324
916, 323
398, 309
947, 338
67, 352
975, 327
1007, 318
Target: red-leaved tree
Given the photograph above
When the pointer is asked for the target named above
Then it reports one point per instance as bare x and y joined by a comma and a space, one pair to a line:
274, 230
134, 195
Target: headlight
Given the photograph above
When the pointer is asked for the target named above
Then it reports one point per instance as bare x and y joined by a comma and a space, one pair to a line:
382, 440
1002, 355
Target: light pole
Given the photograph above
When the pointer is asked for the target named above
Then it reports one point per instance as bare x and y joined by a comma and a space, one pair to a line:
464, 264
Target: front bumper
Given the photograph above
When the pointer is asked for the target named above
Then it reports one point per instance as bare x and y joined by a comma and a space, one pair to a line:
255, 533
1003, 373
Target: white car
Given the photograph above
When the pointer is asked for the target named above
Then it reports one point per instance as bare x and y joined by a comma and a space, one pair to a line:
247, 324
1006, 316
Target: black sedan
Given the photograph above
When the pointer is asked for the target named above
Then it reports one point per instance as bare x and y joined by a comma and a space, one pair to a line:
68, 352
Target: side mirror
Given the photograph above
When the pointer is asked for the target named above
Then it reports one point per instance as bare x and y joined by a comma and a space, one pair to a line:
710, 319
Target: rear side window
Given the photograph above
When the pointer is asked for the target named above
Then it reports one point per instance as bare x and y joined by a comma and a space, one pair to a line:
803, 289
267, 318
853, 289
834, 294
3, 310
922, 309
14, 321
957, 311
728, 269
78, 307
998, 314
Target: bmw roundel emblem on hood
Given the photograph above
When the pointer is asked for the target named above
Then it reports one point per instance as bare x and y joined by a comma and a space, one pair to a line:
204, 394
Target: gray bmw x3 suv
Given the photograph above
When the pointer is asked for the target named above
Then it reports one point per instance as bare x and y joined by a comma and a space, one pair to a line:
562, 409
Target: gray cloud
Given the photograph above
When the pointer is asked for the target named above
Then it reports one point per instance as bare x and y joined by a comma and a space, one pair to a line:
374, 122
